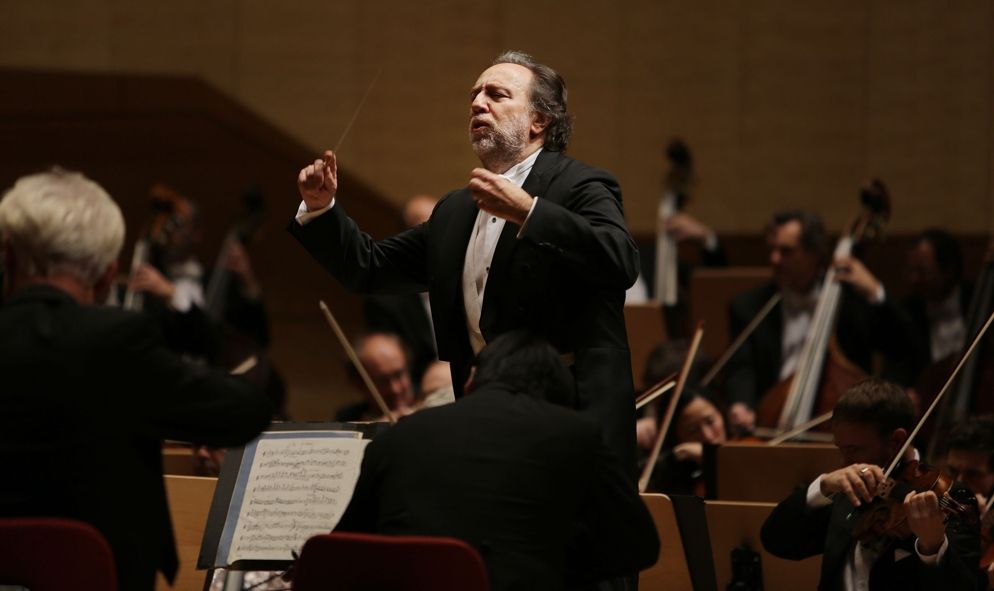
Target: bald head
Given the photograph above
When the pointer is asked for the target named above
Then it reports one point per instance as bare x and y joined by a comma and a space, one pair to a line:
384, 358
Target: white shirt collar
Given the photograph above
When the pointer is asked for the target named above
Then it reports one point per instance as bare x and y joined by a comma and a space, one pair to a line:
519, 172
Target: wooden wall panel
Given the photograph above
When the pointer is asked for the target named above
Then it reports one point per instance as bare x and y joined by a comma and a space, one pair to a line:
783, 103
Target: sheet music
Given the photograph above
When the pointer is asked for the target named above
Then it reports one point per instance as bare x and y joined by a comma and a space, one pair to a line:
296, 485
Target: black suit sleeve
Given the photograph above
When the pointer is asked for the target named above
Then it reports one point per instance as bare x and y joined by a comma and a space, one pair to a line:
362, 264
588, 231
174, 399
740, 376
958, 569
361, 515
793, 531
615, 535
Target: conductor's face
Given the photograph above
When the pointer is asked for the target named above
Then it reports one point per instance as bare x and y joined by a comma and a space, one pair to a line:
502, 123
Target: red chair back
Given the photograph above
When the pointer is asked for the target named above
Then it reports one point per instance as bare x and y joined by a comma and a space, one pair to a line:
50, 554
368, 562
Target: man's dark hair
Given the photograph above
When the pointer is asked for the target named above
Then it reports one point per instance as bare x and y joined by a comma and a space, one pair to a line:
813, 236
526, 364
948, 255
976, 434
872, 401
548, 97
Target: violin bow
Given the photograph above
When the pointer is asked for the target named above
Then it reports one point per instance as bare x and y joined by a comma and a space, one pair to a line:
245, 366
658, 389
681, 382
938, 398
355, 361
741, 338
782, 437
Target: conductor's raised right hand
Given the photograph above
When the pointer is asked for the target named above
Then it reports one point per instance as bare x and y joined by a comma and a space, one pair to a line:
318, 182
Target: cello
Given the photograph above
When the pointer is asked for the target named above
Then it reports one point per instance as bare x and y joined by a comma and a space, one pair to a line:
823, 373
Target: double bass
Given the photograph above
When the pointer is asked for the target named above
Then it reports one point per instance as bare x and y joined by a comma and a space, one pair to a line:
675, 196
823, 373
171, 211
971, 392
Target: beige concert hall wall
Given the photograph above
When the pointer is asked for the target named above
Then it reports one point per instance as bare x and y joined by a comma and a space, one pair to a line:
784, 103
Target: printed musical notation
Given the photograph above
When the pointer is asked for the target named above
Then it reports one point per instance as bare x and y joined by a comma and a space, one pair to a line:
296, 488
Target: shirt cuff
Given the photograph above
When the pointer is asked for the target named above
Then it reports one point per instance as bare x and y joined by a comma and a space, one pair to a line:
303, 216
815, 499
880, 297
933, 559
521, 232
711, 242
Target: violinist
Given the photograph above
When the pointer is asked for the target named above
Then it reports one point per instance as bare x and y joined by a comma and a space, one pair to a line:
970, 456
800, 253
385, 359
970, 460
871, 423
698, 422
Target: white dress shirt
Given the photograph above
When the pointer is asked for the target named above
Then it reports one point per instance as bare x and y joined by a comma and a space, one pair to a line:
480, 253
946, 330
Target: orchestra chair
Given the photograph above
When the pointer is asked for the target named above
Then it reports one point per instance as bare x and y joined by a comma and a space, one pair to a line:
671, 572
737, 478
177, 459
646, 330
52, 554
733, 524
711, 292
372, 562
189, 499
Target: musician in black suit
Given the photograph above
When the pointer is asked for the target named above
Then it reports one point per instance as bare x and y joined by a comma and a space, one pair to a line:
939, 302
537, 240
872, 422
867, 321
90, 392
527, 482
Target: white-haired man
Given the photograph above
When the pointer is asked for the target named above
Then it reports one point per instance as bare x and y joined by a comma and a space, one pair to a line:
89, 392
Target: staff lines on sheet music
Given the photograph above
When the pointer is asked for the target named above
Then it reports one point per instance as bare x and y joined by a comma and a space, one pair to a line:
295, 464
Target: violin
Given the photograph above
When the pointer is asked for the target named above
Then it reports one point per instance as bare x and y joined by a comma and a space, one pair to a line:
823, 373
886, 519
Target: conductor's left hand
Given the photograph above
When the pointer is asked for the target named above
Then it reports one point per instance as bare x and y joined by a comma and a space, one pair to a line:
498, 196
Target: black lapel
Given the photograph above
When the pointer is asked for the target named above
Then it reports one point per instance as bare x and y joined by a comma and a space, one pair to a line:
455, 228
